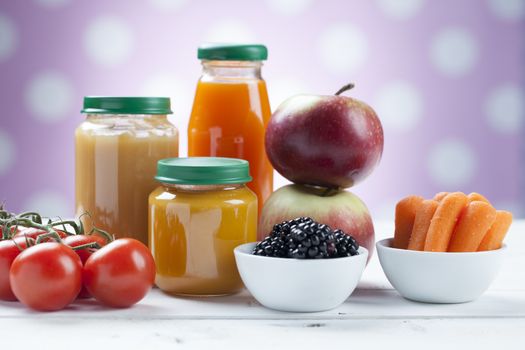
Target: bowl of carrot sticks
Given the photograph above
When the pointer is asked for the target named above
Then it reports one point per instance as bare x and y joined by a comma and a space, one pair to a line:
447, 249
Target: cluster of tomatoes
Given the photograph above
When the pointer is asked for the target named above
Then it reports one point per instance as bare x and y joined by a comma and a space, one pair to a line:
47, 266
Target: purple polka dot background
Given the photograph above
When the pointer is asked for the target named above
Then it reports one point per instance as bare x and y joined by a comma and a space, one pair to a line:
445, 77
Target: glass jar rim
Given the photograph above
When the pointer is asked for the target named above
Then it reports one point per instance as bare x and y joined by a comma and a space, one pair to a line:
202, 188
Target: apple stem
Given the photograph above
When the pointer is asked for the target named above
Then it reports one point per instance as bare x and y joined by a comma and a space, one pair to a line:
328, 191
345, 88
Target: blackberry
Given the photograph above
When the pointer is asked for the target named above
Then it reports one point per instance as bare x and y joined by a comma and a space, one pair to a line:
304, 238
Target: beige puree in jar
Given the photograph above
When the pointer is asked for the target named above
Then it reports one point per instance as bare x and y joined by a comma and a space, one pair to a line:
116, 160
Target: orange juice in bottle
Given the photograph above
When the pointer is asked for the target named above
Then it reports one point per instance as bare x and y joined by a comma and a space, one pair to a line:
231, 111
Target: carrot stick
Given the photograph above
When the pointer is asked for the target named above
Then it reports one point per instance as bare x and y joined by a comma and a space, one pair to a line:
439, 196
477, 197
405, 215
422, 220
497, 232
474, 223
443, 222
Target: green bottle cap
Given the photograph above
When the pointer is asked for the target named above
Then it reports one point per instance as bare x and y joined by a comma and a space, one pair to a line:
126, 105
203, 171
233, 52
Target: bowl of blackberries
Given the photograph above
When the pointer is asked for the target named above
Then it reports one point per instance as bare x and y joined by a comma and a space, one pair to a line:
302, 266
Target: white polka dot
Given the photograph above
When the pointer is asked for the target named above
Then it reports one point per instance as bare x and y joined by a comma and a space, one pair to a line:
230, 31
505, 108
451, 163
508, 9
397, 9
343, 48
289, 7
283, 88
454, 51
399, 106
8, 37
53, 3
7, 152
108, 40
49, 96
169, 5
49, 203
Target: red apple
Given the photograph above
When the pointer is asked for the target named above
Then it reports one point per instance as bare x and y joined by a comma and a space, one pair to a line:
329, 141
337, 209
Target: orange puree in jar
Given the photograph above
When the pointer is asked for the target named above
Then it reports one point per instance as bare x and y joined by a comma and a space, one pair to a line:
195, 222
231, 111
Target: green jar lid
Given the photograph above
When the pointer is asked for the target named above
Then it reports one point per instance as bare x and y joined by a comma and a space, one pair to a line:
126, 105
233, 52
203, 171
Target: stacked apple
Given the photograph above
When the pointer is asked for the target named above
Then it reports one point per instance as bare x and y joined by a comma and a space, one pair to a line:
323, 144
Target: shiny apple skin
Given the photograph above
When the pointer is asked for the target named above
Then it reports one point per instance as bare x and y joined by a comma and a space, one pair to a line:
339, 210
330, 141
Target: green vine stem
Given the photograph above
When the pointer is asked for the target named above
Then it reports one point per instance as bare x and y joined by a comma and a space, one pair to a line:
5, 215
29, 243
104, 234
34, 216
54, 235
95, 230
15, 222
79, 229
93, 245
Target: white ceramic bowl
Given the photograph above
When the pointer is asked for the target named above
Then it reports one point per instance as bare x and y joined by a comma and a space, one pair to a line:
299, 285
442, 278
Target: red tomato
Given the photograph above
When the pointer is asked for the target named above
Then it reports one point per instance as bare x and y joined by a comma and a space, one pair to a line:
121, 273
35, 232
8, 252
85, 253
47, 276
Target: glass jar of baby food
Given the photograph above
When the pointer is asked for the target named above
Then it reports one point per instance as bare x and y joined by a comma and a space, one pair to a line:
117, 149
231, 110
200, 213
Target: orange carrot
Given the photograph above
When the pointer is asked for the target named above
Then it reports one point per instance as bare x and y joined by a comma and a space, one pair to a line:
443, 222
422, 220
405, 215
477, 197
439, 196
494, 237
474, 223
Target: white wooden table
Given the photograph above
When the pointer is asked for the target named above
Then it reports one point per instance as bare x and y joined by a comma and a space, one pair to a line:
374, 316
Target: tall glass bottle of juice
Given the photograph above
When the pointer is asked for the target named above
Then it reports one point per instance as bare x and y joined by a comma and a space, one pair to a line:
231, 111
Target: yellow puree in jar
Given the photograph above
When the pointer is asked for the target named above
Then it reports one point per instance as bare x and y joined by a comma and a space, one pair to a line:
193, 233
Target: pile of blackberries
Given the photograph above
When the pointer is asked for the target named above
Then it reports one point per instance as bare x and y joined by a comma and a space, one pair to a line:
304, 238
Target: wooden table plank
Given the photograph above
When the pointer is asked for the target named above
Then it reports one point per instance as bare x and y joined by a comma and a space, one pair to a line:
363, 304
434, 334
